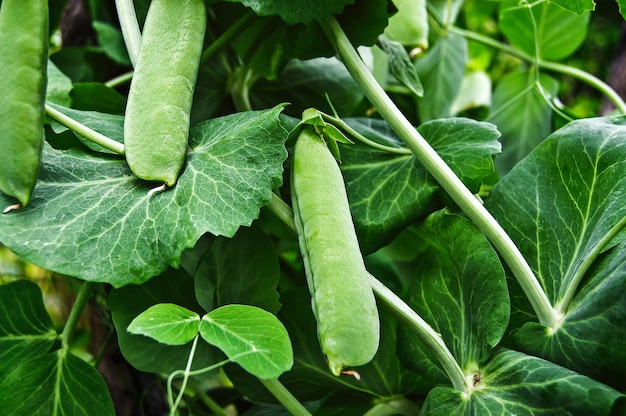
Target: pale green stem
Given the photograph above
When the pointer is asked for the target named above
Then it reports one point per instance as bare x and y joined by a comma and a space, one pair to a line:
240, 88
283, 212
590, 258
130, 28
208, 401
84, 131
183, 385
423, 330
77, 309
579, 74
285, 397
119, 80
358, 136
474, 209
426, 333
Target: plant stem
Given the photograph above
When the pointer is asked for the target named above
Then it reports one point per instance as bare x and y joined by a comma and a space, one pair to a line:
84, 131
423, 330
119, 80
130, 28
77, 310
285, 397
225, 38
358, 136
579, 74
473, 208
571, 286
183, 385
208, 401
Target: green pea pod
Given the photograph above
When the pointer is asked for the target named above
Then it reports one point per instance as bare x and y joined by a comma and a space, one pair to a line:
342, 299
23, 62
156, 125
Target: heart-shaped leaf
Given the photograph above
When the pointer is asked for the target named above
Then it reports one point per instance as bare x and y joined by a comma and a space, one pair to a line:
26, 330
564, 206
389, 191
167, 323
252, 337
91, 218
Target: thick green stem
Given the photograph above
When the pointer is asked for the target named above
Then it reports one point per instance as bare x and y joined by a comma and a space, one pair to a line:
285, 397
426, 333
423, 330
473, 208
77, 310
84, 131
130, 28
579, 74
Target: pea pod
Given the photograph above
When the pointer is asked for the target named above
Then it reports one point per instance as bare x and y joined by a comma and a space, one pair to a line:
23, 61
156, 125
342, 299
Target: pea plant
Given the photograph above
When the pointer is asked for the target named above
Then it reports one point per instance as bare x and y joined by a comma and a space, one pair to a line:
314, 207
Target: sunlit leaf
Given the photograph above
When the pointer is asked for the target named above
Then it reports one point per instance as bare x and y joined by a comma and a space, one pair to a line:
167, 323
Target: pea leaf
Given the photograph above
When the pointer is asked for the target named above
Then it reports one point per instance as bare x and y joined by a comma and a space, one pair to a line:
441, 70
94, 211
544, 29
515, 383
26, 330
306, 84
461, 292
388, 191
145, 353
576, 6
564, 206
242, 269
401, 65
167, 323
522, 115
296, 11
310, 380
110, 125
267, 44
55, 383
252, 337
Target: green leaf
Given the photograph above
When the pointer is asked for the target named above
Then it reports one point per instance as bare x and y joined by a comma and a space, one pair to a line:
474, 95
167, 323
296, 11
401, 65
305, 84
267, 44
310, 380
387, 191
513, 383
94, 96
441, 70
542, 33
243, 269
111, 42
622, 7
145, 353
95, 211
57, 383
58, 87
522, 115
26, 330
409, 25
576, 6
252, 337
460, 290
110, 125
563, 206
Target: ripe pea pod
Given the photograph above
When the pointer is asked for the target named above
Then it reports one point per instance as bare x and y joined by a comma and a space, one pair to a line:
342, 299
23, 79
156, 125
